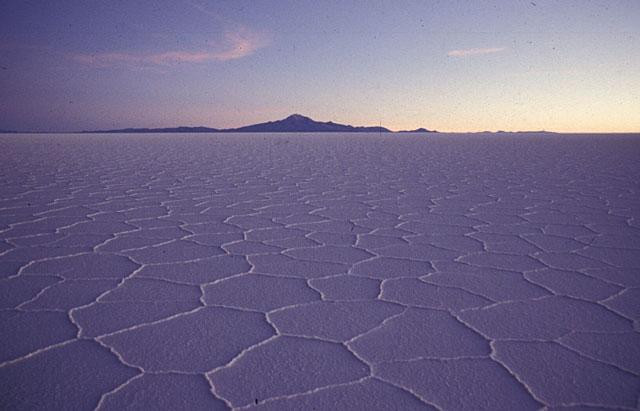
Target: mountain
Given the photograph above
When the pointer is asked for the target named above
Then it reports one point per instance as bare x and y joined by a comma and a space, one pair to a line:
300, 124
295, 123
418, 130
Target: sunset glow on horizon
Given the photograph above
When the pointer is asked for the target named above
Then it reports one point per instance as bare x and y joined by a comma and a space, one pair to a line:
453, 66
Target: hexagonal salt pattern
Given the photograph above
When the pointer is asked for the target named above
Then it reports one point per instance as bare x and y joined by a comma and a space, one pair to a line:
319, 271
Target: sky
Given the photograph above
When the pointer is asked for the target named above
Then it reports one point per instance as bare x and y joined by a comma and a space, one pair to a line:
450, 65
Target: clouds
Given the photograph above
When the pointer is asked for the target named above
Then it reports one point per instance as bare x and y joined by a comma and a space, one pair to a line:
475, 52
235, 44
242, 43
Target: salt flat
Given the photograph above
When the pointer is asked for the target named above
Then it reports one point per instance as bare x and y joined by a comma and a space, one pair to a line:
332, 271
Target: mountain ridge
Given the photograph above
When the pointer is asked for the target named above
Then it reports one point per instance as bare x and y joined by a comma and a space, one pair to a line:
295, 123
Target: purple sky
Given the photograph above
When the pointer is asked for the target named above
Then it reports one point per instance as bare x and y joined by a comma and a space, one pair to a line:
452, 65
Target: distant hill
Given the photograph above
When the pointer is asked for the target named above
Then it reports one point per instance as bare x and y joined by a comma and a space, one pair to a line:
159, 130
418, 130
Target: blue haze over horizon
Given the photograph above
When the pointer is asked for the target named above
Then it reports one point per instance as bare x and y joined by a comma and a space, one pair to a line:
566, 66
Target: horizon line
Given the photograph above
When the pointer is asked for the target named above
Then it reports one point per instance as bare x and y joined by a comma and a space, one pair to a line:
141, 130
223, 131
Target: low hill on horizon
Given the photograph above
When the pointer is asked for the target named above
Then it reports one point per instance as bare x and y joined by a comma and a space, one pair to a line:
181, 129
418, 130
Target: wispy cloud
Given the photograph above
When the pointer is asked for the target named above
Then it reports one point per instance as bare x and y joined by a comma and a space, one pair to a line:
475, 52
236, 44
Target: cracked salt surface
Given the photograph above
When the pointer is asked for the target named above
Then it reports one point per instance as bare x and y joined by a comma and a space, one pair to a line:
334, 272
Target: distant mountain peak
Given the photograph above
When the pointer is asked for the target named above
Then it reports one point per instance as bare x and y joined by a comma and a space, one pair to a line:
297, 117
297, 123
